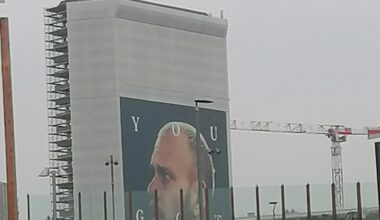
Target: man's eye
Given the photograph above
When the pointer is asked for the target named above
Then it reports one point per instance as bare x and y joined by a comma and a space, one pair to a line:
166, 178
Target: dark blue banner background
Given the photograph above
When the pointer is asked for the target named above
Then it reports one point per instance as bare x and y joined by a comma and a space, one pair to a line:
138, 146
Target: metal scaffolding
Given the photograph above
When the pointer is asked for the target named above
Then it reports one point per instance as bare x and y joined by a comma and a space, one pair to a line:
59, 116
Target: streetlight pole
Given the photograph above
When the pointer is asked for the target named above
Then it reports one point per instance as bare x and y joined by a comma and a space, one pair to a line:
111, 163
198, 147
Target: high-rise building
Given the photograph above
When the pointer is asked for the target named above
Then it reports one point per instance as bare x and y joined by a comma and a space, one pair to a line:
122, 75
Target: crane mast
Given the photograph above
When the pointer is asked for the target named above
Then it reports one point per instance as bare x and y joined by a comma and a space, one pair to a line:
337, 167
337, 134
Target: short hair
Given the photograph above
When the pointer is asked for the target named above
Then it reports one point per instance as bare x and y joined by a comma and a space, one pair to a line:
206, 165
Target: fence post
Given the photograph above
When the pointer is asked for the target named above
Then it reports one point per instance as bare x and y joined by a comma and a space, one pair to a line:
308, 204
283, 202
181, 204
257, 202
333, 202
359, 201
156, 205
28, 205
206, 204
232, 203
80, 205
377, 156
105, 204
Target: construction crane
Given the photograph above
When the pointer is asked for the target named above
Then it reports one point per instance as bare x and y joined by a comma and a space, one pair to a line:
336, 133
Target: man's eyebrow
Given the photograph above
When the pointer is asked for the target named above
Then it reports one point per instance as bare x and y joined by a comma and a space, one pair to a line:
163, 171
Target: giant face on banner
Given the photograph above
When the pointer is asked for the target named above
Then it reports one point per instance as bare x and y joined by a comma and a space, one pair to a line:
159, 154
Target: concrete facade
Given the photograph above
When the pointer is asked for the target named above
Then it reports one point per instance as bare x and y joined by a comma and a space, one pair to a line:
138, 50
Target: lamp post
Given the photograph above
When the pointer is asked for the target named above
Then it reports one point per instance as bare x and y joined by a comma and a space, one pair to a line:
53, 173
198, 147
274, 203
111, 162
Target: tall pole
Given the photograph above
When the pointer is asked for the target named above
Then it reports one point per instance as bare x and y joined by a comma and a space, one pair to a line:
8, 121
111, 163
112, 189
54, 184
198, 149
198, 145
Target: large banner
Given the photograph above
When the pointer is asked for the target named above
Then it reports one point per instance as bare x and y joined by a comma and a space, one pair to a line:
160, 154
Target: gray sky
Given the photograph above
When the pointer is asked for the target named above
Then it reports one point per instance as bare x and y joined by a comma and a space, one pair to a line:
289, 61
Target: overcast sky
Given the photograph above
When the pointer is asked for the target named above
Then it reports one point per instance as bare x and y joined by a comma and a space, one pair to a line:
289, 61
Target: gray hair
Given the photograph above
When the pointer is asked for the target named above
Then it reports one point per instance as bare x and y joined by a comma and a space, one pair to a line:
206, 165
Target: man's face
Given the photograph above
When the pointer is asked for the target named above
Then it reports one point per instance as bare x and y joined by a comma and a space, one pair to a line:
174, 169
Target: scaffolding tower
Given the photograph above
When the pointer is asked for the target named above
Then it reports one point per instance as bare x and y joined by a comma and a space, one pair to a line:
59, 116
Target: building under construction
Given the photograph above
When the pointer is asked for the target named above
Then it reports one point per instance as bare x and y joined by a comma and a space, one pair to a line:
118, 71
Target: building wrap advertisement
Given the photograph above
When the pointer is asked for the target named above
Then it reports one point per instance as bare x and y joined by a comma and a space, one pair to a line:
159, 154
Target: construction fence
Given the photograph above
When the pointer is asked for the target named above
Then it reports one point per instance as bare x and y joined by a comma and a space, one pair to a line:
250, 203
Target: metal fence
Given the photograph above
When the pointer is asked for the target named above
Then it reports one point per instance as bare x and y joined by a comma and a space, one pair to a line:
250, 203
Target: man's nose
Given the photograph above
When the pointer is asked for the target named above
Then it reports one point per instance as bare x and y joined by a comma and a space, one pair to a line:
153, 185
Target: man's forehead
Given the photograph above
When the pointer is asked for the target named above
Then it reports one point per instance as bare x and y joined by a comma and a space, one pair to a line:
170, 143
169, 137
